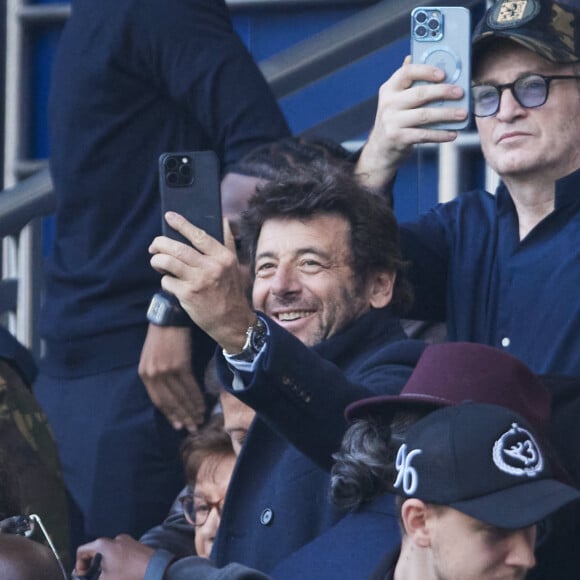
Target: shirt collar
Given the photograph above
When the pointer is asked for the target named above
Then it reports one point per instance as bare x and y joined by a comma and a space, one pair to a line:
568, 189
567, 193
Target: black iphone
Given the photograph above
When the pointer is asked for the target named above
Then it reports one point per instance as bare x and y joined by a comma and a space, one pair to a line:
189, 183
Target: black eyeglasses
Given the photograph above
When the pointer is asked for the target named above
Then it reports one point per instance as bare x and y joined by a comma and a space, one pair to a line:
529, 90
197, 509
25, 526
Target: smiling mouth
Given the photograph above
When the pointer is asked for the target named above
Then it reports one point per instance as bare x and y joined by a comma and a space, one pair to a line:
294, 315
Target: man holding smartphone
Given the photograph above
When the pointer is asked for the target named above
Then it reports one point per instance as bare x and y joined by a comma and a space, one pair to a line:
501, 269
322, 332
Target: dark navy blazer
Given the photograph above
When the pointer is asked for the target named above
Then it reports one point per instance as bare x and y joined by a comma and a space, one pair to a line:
278, 499
349, 550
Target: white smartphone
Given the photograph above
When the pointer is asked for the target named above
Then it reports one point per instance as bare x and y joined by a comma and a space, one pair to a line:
441, 36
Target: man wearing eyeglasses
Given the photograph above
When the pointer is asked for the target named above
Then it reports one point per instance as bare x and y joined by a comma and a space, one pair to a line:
501, 269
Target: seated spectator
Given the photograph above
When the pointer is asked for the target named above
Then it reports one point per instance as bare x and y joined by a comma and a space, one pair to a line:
500, 269
174, 534
209, 457
209, 462
341, 372
473, 483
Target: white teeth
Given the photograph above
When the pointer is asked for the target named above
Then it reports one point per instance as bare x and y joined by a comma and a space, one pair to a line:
288, 316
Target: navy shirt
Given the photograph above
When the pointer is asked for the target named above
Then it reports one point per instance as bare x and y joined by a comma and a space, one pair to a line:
469, 267
132, 80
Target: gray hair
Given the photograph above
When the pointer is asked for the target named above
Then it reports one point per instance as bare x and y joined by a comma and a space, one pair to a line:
365, 464
361, 469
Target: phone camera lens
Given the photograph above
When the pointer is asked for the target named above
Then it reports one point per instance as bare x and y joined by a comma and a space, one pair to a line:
171, 163
433, 24
420, 31
421, 17
185, 170
172, 178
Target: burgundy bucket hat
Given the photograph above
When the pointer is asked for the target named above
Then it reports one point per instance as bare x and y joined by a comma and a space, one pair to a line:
450, 373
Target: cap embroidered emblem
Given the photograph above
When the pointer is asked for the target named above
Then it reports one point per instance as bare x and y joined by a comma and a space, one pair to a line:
511, 13
517, 453
407, 476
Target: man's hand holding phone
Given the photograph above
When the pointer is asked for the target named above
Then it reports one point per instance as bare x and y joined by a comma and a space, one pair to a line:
427, 100
441, 37
205, 276
404, 119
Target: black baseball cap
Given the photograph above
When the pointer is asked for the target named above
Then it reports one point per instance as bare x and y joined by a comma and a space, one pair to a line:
482, 460
550, 29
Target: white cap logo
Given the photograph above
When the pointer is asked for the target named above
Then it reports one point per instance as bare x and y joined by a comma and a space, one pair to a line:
517, 453
407, 476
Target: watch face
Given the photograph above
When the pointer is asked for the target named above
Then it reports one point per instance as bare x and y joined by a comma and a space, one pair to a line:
258, 337
158, 310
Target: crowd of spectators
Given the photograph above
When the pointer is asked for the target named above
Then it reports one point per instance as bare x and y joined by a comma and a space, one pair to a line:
283, 424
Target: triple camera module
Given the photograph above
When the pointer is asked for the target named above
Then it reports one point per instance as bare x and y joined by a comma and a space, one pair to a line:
178, 170
428, 25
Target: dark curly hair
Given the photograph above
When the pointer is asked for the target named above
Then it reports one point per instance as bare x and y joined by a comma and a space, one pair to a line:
325, 187
364, 466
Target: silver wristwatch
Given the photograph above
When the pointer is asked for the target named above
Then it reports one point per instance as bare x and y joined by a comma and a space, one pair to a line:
255, 339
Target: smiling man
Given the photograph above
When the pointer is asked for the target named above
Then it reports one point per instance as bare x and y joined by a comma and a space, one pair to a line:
322, 332
501, 269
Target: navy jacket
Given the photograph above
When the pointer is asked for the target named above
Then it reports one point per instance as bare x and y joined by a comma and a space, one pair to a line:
278, 497
349, 550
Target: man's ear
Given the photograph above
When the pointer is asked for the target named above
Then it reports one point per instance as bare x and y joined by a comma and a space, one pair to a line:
414, 514
380, 288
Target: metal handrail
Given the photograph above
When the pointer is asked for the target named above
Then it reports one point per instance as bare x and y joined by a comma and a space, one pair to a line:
342, 44
21, 206
29, 199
